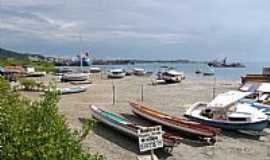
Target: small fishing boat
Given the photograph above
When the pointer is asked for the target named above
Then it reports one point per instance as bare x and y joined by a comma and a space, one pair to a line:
62, 71
127, 128
81, 82
75, 77
185, 126
198, 71
208, 73
227, 112
129, 72
95, 69
205, 71
139, 71
172, 76
71, 90
117, 73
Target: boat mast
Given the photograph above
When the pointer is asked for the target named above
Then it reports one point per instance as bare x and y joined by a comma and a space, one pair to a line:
81, 52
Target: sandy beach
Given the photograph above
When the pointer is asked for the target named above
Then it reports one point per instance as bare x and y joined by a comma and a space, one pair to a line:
172, 99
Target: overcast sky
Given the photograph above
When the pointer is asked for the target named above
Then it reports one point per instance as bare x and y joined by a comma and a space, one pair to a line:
150, 29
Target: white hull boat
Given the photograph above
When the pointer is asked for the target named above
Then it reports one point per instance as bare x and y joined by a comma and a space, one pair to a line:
226, 112
173, 76
75, 77
116, 73
139, 71
71, 90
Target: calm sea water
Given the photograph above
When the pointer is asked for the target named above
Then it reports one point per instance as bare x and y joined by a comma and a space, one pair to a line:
189, 69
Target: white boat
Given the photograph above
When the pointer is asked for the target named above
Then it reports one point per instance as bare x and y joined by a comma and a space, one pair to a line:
227, 112
139, 71
71, 90
95, 69
261, 98
116, 73
75, 77
172, 76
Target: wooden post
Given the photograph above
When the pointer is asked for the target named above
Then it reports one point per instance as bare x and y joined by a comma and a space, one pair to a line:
113, 94
214, 88
142, 93
152, 154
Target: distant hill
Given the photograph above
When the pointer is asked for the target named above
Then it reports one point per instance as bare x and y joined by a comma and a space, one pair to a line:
12, 54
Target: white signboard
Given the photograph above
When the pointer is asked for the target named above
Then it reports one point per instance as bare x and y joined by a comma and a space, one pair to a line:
150, 138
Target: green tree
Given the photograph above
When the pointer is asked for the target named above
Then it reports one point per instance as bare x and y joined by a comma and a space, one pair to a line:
34, 130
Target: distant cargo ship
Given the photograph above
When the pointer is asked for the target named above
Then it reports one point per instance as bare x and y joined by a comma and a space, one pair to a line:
224, 64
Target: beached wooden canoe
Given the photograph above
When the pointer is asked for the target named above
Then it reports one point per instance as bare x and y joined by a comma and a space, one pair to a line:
185, 126
130, 129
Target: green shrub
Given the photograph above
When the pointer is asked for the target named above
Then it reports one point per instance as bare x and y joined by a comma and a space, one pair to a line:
29, 84
34, 130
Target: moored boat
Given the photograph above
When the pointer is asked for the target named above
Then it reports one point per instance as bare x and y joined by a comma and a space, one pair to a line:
116, 73
173, 76
75, 77
226, 112
71, 90
62, 71
95, 69
130, 129
139, 71
198, 71
185, 126
208, 73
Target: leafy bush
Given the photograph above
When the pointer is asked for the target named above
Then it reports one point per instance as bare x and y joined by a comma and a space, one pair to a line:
34, 130
30, 84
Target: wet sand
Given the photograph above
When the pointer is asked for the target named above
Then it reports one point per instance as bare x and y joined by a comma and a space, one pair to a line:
173, 99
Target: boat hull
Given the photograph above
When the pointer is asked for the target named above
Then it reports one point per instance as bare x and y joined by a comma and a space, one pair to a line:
75, 77
116, 75
185, 131
72, 90
131, 131
121, 129
187, 128
255, 126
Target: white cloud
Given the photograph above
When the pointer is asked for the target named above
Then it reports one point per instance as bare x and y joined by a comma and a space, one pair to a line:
208, 26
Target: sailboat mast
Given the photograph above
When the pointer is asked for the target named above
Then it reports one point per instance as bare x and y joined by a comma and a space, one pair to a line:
81, 50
